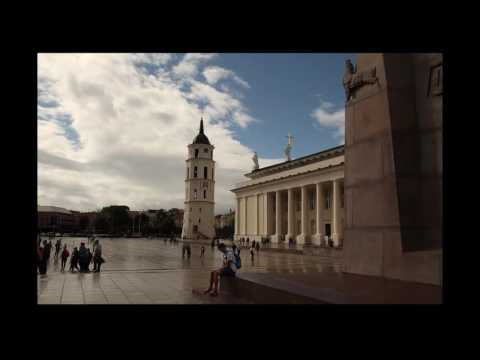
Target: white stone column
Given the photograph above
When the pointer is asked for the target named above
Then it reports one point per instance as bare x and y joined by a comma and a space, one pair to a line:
257, 232
336, 212
319, 200
265, 214
290, 207
302, 238
245, 216
237, 218
278, 218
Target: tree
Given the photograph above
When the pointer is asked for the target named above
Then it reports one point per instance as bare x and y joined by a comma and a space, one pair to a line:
101, 223
117, 218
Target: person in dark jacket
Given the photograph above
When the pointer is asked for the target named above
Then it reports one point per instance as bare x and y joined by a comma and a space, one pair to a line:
90, 256
42, 260
74, 260
47, 249
97, 257
83, 257
57, 248
65, 254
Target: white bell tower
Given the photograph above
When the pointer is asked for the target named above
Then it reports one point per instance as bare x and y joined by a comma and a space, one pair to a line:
198, 216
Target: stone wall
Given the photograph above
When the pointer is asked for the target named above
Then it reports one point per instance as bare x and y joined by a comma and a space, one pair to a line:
393, 172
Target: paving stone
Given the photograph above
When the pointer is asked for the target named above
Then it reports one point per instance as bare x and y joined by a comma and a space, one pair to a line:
152, 271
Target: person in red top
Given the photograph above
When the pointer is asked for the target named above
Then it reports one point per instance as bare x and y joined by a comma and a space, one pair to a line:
65, 255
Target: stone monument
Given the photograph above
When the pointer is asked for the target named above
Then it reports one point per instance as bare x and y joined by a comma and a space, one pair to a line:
393, 167
255, 161
288, 148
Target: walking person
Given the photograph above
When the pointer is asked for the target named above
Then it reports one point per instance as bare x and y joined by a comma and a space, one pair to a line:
257, 247
97, 257
47, 246
202, 251
41, 258
83, 257
57, 248
90, 257
74, 260
65, 254
252, 252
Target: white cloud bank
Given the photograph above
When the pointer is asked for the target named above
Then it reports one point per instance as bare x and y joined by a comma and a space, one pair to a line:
326, 116
114, 129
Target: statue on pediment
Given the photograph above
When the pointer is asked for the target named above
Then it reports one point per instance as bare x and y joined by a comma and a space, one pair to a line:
255, 161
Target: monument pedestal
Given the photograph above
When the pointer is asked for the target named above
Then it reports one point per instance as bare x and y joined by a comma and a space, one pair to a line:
393, 167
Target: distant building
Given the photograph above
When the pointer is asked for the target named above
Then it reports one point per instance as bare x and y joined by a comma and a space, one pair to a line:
56, 219
88, 217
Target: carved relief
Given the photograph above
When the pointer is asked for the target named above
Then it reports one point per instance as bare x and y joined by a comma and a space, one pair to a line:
353, 80
435, 86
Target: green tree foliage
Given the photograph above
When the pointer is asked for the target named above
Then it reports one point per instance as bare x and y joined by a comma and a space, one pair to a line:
117, 219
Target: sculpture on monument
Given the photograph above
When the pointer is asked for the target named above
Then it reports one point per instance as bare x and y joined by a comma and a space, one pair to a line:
352, 80
255, 161
288, 148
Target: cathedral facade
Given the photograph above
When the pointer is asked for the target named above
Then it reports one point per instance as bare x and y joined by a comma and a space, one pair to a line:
199, 219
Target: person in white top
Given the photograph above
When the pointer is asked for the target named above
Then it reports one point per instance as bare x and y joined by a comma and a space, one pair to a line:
228, 269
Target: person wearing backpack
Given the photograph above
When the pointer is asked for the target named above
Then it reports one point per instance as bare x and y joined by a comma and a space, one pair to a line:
236, 254
228, 268
64, 256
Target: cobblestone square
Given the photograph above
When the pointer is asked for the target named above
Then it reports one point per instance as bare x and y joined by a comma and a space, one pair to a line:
152, 271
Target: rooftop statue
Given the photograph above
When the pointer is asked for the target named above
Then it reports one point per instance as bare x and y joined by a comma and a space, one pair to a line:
288, 148
255, 161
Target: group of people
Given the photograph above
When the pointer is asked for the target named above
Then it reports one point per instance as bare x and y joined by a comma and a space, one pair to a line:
80, 259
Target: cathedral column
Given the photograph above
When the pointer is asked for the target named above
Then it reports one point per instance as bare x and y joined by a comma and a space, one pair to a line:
302, 238
290, 231
237, 218
318, 237
336, 213
265, 214
278, 218
257, 230
245, 215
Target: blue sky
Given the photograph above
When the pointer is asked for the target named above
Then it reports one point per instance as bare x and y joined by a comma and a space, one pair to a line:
114, 128
285, 89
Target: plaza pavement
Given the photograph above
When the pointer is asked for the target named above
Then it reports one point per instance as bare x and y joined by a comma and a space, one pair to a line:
152, 271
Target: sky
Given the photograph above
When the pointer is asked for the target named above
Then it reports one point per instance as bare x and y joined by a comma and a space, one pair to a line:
113, 129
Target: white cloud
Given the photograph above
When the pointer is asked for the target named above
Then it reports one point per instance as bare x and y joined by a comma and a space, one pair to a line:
213, 74
189, 65
112, 133
326, 116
